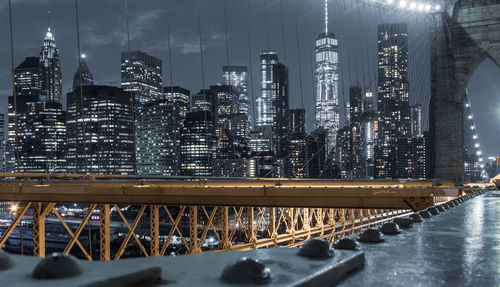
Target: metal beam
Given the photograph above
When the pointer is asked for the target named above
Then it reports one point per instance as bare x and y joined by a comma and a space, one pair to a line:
224, 194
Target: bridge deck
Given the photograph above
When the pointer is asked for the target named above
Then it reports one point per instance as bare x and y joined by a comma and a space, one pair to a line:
459, 247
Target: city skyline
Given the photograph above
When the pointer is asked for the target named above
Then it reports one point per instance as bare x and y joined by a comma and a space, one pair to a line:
214, 46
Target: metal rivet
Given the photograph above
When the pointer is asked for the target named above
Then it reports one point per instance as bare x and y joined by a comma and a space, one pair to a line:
246, 271
433, 210
403, 222
390, 228
316, 248
346, 243
371, 235
425, 214
57, 265
416, 218
5, 261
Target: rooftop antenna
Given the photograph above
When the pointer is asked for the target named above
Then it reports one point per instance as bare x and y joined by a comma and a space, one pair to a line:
326, 16
48, 12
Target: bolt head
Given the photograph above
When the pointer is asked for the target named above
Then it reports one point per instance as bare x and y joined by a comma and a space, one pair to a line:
246, 271
425, 214
316, 248
346, 243
403, 222
390, 228
371, 235
433, 210
56, 266
416, 218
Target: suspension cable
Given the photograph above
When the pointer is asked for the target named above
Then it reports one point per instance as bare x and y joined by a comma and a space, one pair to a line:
84, 137
132, 101
14, 92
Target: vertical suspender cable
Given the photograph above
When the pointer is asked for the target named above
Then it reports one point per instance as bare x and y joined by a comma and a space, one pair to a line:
82, 107
203, 74
132, 101
251, 67
14, 92
171, 74
283, 32
305, 150
225, 30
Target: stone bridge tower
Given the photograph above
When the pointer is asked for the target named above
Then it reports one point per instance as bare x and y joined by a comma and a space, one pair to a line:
462, 36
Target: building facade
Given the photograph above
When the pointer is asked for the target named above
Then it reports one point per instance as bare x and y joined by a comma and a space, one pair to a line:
104, 144
393, 104
158, 127
327, 78
197, 142
141, 74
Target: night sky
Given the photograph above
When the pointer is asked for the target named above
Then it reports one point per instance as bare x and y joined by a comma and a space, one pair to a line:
103, 37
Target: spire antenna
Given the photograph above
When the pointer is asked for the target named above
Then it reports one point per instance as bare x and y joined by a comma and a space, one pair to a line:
326, 16
48, 12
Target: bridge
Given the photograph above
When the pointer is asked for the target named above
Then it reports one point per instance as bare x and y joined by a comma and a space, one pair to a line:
257, 216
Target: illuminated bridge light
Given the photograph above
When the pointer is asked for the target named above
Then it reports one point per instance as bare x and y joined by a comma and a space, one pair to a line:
414, 6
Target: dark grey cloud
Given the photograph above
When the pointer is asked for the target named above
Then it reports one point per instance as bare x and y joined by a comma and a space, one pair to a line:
103, 37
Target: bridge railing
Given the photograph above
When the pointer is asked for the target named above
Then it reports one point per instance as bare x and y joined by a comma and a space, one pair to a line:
173, 217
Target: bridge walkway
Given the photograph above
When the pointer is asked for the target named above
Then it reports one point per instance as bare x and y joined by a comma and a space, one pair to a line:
459, 247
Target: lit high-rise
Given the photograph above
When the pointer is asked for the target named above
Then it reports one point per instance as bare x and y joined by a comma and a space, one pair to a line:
393, 95
50, 70
327, 84
141, 74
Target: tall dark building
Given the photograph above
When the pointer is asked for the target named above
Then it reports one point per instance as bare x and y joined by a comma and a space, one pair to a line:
37, 142
141, 74
197, 138
41, 134
82, 75
414, 157
393, 95
50, 71
297, 164
344, 151
357, 148
281, 115
109, 138
231, 128
158, 127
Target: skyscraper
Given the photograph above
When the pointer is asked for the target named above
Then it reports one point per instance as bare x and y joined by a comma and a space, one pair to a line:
264, 101
357, 148
393, 95
158, 128
141, 74
327, 84
197, 139
281, 110
37, 142
82, 75
50, 71
236, 76
108, 137
297, 164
